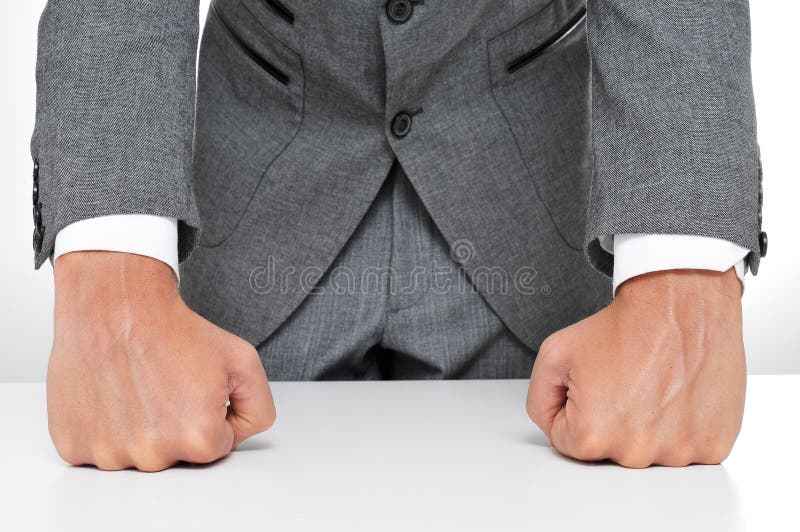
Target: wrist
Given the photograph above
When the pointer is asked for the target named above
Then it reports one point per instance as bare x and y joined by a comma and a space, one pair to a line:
686, 297
684, 282
101, 284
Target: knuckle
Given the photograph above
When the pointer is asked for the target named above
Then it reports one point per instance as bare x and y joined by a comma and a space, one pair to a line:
200, 454
638, 452
199, 443
152, 464
65, 445
715, 451
266, 419
245, 358
679, 457
249, 351
634, 460
149, 453
533, 411
551, 345
110, 463
591, 445
244, 350
69, 452
110, 466
108, 460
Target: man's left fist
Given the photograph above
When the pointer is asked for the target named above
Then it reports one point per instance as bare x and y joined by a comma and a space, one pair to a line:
656, 378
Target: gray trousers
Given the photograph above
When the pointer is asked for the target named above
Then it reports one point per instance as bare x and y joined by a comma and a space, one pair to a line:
395, 305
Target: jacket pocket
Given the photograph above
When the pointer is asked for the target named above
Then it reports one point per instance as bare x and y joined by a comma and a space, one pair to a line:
279, 75
533, 54
540, 81
280, 9
249, 108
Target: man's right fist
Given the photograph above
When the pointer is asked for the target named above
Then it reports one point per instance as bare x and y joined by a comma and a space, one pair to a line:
136, 378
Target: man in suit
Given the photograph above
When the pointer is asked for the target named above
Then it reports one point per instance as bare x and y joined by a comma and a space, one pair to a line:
396, 189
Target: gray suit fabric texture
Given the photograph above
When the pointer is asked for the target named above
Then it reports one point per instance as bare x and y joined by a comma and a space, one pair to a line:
394, 304
534, 131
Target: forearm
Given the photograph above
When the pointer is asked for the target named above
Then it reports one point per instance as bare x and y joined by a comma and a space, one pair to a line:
115, 112
673, 124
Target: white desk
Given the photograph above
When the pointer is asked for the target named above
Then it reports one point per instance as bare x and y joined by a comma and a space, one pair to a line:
405, 456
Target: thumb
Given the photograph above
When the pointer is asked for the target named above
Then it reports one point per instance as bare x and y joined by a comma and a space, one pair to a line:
251, 409
547, 393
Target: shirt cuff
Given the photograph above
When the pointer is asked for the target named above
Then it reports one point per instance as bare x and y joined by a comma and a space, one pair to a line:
141, 234
637, 254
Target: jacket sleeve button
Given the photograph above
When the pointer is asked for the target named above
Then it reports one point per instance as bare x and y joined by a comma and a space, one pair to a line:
762, 243
37, 215
38, 237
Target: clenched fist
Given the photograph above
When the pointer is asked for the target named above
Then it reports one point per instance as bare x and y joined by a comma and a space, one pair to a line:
136, 379
657, 377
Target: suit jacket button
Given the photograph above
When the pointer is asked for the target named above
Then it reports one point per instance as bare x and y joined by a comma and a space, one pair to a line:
401, 124
37, 215
36, 169
35, 192
38, 237
762, 243
399, 11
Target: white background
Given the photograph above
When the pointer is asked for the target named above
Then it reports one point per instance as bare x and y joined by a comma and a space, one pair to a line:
772, 317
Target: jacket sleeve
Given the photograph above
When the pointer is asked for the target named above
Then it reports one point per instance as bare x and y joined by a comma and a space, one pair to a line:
114, 114
673, 123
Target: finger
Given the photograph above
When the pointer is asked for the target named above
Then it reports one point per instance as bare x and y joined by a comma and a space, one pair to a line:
146, 460
209, 445
678, 455
107, 459
72, 452
547, 393
252, 409
229, 435
573, 436
560, 434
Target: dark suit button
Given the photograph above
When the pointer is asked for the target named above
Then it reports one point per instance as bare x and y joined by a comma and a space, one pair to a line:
37, 215
401, 124
38, 237
399, 11
762, 243
35, 181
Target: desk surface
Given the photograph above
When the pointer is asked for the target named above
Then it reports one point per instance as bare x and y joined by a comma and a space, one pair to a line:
405, 456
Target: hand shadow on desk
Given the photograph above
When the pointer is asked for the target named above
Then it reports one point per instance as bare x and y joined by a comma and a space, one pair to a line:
244, 447
254, 444
697, 497
85, 498
537, 437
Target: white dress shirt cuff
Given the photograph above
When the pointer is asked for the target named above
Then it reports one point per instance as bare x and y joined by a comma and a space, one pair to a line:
637, 254
141, 234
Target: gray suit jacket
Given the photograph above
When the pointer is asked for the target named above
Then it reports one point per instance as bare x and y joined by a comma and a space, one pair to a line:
528, 129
